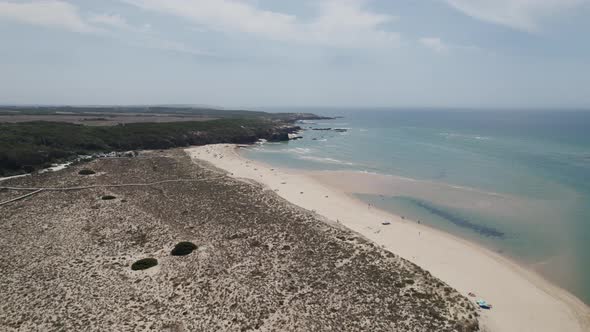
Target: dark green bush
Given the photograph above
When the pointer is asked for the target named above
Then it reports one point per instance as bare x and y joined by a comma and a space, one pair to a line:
143, 264
86, 171
183, 249
36, 143
28, 168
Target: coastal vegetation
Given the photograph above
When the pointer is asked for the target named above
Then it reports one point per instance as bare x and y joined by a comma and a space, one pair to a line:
27, 146
105, 113
183, 249
144, 264
323, 277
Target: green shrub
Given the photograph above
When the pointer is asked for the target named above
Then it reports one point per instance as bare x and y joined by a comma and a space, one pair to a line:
183, 249
86, 171
143, 264
36, 143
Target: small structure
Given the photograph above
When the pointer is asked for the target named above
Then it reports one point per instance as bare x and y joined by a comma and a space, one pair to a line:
386, 223
483, 304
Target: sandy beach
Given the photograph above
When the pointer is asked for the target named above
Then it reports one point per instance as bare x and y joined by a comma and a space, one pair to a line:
256, 263
522, 300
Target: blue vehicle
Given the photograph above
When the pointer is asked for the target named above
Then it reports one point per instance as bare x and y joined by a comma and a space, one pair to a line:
483, 304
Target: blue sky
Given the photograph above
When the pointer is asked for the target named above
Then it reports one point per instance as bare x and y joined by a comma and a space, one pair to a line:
255, 53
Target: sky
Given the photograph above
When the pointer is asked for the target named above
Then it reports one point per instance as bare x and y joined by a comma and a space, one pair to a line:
306, 53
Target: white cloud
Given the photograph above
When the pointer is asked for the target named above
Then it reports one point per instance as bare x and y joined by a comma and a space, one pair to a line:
51, 13
118, 22
63, 15
338, 23
517, 14
435, 44
140, 36
344, 23
115, 21
171, 46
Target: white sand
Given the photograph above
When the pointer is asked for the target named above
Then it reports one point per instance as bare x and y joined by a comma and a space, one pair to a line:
522, 300
13, 177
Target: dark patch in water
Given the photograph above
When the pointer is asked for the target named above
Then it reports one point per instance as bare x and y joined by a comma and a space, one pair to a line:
460, 221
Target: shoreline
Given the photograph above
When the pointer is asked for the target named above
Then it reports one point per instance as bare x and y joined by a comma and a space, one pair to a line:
522, 299
255, 262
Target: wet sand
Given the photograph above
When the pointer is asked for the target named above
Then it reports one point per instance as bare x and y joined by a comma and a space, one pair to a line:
521, 299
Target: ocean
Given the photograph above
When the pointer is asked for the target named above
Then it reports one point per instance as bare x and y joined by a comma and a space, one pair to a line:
516, 182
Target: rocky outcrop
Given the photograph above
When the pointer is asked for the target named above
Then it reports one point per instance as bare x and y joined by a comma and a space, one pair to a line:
281, 133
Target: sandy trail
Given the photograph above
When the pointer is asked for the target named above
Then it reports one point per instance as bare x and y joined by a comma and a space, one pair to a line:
522, 300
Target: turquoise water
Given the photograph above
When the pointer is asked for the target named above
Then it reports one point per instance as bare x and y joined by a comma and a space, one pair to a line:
516, 182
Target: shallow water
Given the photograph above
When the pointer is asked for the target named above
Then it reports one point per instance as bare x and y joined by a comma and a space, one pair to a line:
517, 182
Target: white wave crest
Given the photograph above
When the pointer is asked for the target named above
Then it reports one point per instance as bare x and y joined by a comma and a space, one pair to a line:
326, 160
